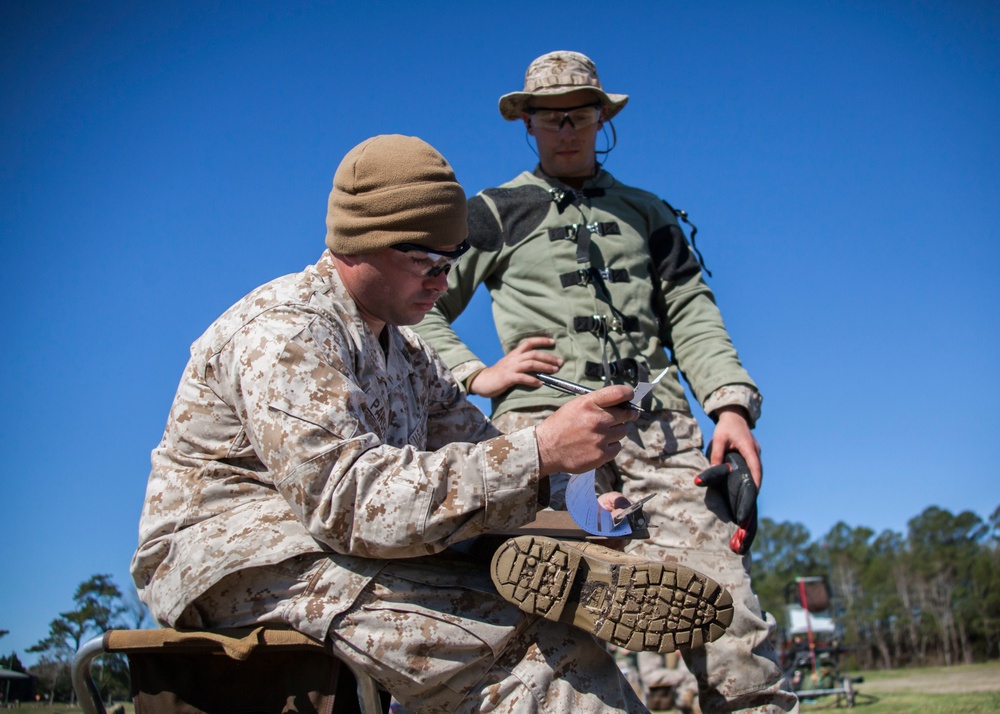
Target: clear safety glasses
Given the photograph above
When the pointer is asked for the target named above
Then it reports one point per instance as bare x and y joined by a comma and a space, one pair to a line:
553, 119
440, 260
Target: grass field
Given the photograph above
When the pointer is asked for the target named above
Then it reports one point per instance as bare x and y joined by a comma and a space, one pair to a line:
964, 689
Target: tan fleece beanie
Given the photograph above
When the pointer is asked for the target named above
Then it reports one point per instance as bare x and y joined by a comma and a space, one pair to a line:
394, 189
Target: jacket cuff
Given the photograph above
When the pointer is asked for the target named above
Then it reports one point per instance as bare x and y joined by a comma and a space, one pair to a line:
466, 371
510, 473
735, 395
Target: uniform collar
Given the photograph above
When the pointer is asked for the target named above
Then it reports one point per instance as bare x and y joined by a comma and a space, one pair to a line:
599, 180
327, 270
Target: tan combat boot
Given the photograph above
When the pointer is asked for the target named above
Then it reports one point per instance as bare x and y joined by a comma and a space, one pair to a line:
631, 602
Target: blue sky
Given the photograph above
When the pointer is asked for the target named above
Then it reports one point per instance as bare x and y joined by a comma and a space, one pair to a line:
159, 160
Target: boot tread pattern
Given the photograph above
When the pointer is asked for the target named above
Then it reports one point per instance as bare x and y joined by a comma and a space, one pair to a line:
642, 606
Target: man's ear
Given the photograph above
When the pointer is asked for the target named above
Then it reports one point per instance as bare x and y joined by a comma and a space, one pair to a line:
527, 123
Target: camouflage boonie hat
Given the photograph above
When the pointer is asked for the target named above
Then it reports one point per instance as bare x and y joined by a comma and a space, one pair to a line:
555, 73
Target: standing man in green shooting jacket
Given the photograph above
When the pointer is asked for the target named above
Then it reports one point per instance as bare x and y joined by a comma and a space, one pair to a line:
594, 280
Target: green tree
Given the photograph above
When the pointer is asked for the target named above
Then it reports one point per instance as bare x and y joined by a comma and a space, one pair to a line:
781, 552
882, 601
986, 587
13, 663
984, 592
931, 596
100, 607
944, 549
4, 633
850, 555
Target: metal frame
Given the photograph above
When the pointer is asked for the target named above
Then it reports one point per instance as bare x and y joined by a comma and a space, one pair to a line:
807, 659
845, 691
83, 683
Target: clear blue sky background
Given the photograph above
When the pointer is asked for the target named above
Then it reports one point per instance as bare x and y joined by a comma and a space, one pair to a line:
159, 160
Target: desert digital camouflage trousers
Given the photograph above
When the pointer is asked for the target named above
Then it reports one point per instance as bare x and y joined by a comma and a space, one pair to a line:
434, 632
689, 525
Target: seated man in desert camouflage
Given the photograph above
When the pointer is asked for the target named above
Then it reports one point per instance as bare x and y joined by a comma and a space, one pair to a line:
320, 461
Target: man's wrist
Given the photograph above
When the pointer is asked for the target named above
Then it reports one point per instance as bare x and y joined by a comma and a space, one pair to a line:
466, 372
471, 379
742, 396
732, 409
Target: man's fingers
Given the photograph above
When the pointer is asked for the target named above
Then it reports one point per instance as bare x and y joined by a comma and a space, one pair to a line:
532, 363
752, 457
582, 434
617, 432
715, 454
537, 341
525, 373
613, 501
613, 396
534, 343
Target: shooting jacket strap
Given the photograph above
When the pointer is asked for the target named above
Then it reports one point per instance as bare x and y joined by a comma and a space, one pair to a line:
581, 232
586, 276
602, 324
632, 371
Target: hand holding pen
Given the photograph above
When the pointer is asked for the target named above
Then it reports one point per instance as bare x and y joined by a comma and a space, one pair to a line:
564, 385
585, 432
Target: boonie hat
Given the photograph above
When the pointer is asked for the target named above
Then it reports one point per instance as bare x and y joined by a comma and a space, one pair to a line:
556, 73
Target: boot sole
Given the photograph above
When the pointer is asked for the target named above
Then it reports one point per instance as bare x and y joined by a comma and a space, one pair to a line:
643, 606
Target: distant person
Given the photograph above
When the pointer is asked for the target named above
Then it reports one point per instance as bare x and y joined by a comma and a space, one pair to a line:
594, 280
319, 461
674, 688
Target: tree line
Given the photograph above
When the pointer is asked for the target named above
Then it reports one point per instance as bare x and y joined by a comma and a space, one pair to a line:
99, 606
930, 596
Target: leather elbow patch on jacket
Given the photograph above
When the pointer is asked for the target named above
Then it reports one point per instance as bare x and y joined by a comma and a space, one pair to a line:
671, 255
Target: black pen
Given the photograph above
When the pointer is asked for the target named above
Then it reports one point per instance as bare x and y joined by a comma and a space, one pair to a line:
564, 385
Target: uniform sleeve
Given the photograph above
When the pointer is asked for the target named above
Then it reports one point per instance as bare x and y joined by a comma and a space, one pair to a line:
451, 417
691, 325
735, 395
312, 425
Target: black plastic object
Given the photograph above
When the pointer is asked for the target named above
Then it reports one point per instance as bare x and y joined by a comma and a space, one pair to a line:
733, 478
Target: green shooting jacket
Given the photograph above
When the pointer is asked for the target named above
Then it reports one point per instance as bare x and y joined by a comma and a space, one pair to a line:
607, 272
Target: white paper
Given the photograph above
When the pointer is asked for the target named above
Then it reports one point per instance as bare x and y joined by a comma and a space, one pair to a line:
643, 388
581, 502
